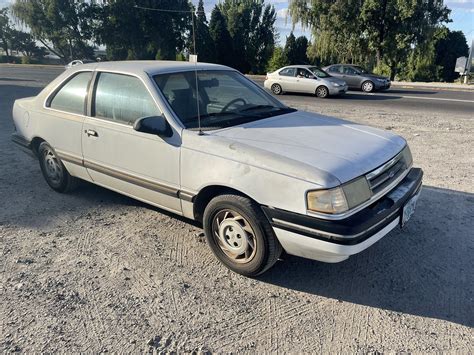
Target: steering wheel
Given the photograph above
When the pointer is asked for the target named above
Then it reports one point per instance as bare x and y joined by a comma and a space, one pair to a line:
226, 107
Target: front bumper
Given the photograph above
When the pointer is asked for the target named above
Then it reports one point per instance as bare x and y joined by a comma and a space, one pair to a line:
382, 85
337, 90
335, 241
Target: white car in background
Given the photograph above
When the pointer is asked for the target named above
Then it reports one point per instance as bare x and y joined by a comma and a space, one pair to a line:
203, 141
304, 79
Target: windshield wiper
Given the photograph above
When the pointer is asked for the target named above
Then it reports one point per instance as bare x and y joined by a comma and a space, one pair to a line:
256, 107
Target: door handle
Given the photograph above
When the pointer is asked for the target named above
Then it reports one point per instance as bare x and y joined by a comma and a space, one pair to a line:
91, 132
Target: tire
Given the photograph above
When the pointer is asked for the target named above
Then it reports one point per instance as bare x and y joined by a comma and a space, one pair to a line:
240, 235
367, 86
54, 171
276, 89
322, 92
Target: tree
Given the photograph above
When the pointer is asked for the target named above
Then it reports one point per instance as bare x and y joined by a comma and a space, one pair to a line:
251, 25
448, 48
63, 27
24, 43
301, 50
145, 32
204, 43
295, 49
373, 32
291, 49
224, 53
5, 31
277, 60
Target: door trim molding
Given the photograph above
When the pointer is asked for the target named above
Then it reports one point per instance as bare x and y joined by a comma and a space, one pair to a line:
121, 175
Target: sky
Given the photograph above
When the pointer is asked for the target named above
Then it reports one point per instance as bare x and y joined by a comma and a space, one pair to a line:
462, 15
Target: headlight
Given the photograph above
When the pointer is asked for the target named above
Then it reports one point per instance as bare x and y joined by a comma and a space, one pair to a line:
407, 157
339, 199
380, 80
335, 84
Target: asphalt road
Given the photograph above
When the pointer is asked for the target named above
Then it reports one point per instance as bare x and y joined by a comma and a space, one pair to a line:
417, 99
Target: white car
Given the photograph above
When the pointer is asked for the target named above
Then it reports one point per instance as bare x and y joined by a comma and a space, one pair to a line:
304, 79
217, 148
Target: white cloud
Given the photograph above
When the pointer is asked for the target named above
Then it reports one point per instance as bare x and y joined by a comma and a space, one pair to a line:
283, 13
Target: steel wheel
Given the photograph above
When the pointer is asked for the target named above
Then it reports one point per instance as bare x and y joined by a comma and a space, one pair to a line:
234, 236
367, 86
276, 89
322, 91
54, 171
52, 166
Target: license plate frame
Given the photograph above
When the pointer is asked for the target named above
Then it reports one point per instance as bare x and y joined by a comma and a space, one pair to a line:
408, 210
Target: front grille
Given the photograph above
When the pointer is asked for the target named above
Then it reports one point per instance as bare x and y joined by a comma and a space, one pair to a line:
383, 176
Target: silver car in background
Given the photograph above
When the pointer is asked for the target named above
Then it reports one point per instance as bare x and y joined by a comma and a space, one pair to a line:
358, 78
305, 79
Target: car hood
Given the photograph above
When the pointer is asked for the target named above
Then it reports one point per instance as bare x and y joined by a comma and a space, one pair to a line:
324, 150
334, 80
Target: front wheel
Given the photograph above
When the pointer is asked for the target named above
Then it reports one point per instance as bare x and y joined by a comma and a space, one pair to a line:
54, 171
276, 89
239, 235
322, 92
367, 86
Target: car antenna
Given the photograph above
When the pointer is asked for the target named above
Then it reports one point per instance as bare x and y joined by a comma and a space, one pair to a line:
193, 57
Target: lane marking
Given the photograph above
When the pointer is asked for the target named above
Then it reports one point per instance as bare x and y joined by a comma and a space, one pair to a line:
414, 97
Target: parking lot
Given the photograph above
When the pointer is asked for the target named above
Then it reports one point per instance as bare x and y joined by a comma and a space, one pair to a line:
96, 271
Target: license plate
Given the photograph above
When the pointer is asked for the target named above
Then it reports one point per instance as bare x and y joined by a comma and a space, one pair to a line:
409, 209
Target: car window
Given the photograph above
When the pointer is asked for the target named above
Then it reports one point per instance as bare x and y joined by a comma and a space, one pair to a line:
225, 98
71, 96
349, 70
122, 98
288, 72
335, 69
319, 72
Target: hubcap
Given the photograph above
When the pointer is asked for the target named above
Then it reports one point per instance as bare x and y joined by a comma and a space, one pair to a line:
234, 236
321, 92
368, 87
52, 166
276, 89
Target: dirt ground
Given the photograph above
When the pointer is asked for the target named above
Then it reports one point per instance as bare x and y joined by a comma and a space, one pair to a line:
96, 271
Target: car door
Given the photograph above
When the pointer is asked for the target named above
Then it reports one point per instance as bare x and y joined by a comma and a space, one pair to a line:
141, 165
62, 119
306, 82
351, 76
336, 71
287, 79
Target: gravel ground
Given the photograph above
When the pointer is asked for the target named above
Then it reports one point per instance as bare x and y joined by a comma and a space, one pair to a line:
96, 271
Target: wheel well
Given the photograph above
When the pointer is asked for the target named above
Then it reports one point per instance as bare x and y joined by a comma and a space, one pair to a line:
35, 143
207, 194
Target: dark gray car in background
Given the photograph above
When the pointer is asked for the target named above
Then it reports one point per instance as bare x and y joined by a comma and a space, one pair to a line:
357, 77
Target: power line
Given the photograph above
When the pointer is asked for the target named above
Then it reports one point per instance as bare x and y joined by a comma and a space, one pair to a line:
167, 10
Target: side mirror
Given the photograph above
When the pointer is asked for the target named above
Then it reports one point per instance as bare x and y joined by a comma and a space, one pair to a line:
153, 125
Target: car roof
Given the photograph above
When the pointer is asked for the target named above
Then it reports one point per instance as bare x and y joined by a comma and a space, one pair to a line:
152, 67
300, 66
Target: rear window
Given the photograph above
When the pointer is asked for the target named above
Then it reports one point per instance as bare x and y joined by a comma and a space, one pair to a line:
71, 96
288, 72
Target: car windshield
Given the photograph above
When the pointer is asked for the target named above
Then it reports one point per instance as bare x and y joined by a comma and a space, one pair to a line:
225, 98
319, 72
360, 69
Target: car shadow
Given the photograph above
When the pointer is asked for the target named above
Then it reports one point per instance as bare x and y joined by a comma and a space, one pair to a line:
424, 270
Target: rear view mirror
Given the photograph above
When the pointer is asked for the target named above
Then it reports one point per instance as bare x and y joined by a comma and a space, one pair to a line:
153, 125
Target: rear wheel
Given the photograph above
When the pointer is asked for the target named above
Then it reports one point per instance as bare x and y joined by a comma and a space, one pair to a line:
239, 235
367, 86
276, 89
54, 171
322, 91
